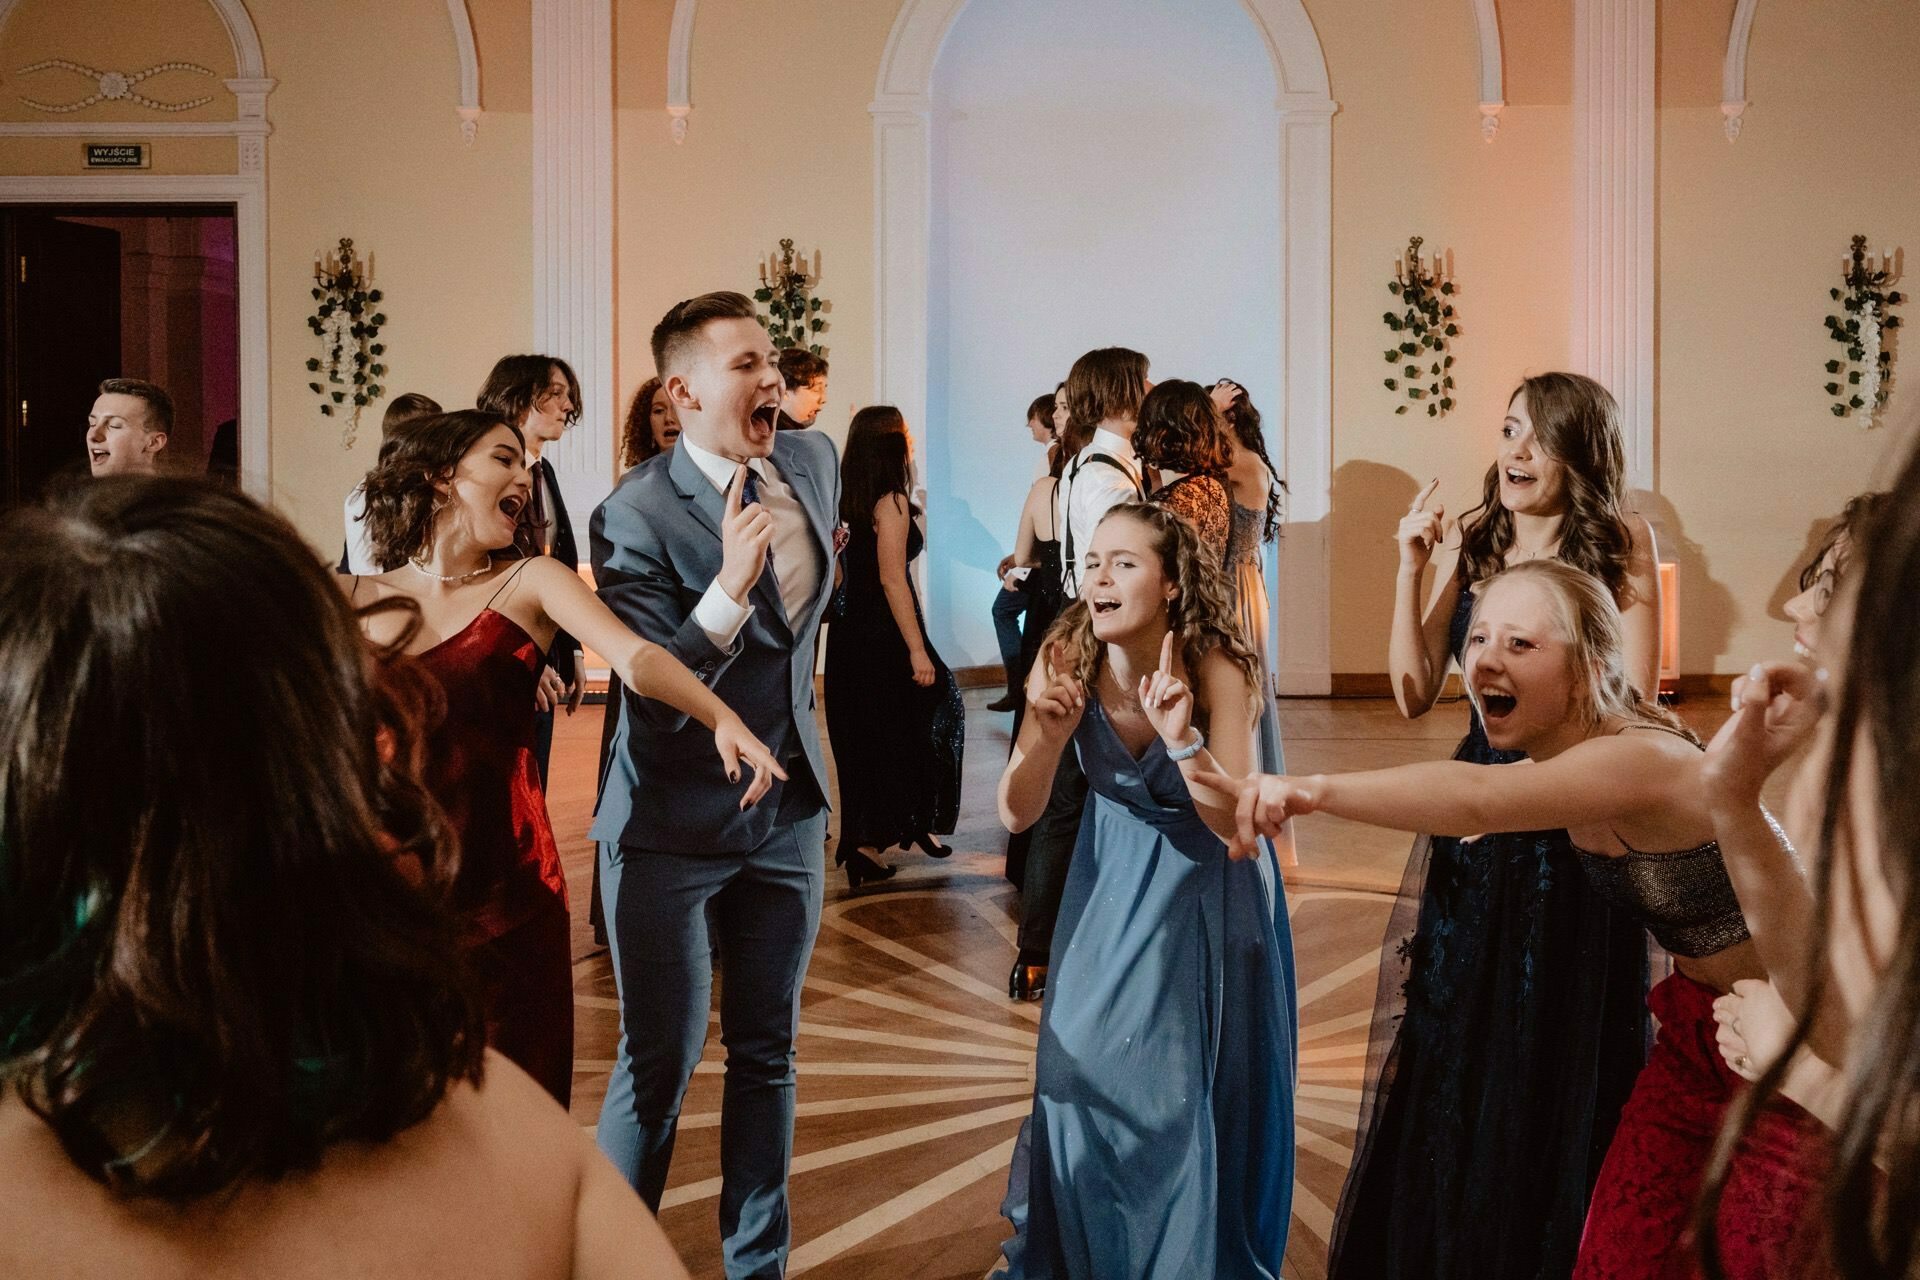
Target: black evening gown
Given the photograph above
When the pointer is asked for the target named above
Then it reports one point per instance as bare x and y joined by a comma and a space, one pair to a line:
896, 746
1508, 1029
1045, 599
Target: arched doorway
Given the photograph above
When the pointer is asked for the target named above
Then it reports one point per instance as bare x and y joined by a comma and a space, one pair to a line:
1299, 367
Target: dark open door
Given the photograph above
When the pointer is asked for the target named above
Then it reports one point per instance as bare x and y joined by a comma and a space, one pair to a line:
62, 297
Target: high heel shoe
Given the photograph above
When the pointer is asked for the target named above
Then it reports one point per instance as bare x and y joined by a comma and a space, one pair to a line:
926, 844
1027, 982
861, 868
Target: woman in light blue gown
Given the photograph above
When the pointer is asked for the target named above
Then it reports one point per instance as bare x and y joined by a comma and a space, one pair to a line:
1161, 1139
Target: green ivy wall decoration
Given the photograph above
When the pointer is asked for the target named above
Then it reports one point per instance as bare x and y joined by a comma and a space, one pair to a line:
793, 315
347, 321
1863, 375
1423, 330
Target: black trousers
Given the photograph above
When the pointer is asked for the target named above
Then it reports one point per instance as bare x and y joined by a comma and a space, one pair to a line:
1049, 852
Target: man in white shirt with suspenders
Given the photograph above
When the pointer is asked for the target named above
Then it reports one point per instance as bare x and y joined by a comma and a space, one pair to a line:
1105, 387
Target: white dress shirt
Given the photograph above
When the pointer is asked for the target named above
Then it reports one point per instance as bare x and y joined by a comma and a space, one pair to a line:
359, 541
794, 557
1081, 499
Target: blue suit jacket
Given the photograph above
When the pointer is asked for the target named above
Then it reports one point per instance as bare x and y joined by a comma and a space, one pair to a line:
656, 548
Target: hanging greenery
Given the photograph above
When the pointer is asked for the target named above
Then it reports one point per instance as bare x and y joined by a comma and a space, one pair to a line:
1424, 329
793, 315
1862, 378
347, 323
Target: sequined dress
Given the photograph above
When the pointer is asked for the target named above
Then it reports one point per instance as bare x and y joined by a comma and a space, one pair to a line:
1160, 1146
897, 746
1507, 1033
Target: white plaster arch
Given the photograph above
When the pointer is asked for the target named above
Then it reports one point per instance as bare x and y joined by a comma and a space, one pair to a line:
680, 67
1733, 75
468, 108
1493, 75
1301, 443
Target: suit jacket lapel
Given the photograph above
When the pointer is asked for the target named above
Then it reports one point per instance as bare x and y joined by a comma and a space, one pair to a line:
691, 483
793, 465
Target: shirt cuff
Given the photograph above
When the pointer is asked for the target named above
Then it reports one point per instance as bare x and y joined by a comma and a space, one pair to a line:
721, 617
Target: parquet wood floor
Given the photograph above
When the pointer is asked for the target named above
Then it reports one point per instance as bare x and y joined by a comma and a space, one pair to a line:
915, 1069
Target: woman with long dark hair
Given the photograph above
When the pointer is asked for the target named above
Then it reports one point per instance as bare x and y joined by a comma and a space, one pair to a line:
1509, 1023
651, 427
894, 715
236, 1030
447, 511
1160, 1145
1546, 669
1180, 432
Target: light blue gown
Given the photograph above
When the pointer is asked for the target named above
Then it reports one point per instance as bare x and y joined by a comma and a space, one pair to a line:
1161, 1139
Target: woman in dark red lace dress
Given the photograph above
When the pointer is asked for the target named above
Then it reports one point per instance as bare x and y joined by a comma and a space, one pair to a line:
446, 512
1181, 432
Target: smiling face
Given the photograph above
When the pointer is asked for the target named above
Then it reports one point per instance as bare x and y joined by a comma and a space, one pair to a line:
1124, 581
1517, 666
487, 492
803, 403
120, 437
663, 422
1531, 483
1807, 608
728, 395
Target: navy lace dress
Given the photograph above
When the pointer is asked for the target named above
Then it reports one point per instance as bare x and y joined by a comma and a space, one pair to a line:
1508, 1030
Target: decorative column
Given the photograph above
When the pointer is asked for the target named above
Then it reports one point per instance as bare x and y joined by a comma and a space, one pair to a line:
1613, 252
573, 231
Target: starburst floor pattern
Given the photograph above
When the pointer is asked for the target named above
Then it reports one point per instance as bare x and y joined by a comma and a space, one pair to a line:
915, 1070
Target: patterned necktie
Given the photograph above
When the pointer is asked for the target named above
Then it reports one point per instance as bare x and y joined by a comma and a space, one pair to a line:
542, 527
750, 494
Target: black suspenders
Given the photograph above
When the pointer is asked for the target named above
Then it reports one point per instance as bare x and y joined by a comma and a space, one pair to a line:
1069, 566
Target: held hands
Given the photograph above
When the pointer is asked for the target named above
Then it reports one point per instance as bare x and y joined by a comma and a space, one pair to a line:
1421, 530
550, 692
1059, 705
737, 745
1167, 701
745, 535
1775, 708
922, 667
1266, 801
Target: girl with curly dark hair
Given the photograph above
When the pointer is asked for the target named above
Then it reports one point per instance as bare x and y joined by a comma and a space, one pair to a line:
1169, 1020
651, 426
236, 1030
447, 511
1180, 432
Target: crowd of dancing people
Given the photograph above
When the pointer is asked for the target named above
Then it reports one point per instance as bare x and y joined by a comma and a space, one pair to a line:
284, 934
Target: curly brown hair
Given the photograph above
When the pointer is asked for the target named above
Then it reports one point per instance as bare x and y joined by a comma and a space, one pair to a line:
402, 502
1578, 425
1180, 430
1201, 615
636, 437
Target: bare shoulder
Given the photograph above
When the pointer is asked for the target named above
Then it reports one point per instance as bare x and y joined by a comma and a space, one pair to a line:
1643, 549
890, 509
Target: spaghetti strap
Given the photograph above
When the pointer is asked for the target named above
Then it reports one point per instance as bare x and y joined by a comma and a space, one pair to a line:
505, 583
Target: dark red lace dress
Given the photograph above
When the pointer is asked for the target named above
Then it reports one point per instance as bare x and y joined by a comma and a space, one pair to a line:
510, 890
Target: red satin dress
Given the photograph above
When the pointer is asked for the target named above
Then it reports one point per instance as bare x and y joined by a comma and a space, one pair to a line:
510, 890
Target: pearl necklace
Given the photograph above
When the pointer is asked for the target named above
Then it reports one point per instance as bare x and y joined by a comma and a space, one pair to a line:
456, 578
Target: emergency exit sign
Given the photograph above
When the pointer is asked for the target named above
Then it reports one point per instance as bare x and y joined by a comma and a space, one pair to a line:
117, 155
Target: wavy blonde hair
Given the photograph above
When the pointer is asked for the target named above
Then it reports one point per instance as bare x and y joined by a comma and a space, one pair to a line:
1202, 615
1589, 623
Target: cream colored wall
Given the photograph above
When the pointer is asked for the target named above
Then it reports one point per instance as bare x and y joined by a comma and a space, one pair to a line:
1749, 456
368, 146
780, 145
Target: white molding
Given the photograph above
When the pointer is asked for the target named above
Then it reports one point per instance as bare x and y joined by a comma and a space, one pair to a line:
680, 68
1493, 92
248, 195
1733, 75
903, 209
1613, 123
573, 229
128, 128
468, 108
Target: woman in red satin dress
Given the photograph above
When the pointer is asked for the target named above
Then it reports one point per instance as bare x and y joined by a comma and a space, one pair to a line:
447, 513
1545, 667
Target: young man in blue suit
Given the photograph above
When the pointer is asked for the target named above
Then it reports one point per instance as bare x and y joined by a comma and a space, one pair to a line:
722, 551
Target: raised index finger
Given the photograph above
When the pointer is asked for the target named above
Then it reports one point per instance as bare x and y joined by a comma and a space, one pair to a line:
1420, 502
1166, 653
735, 489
